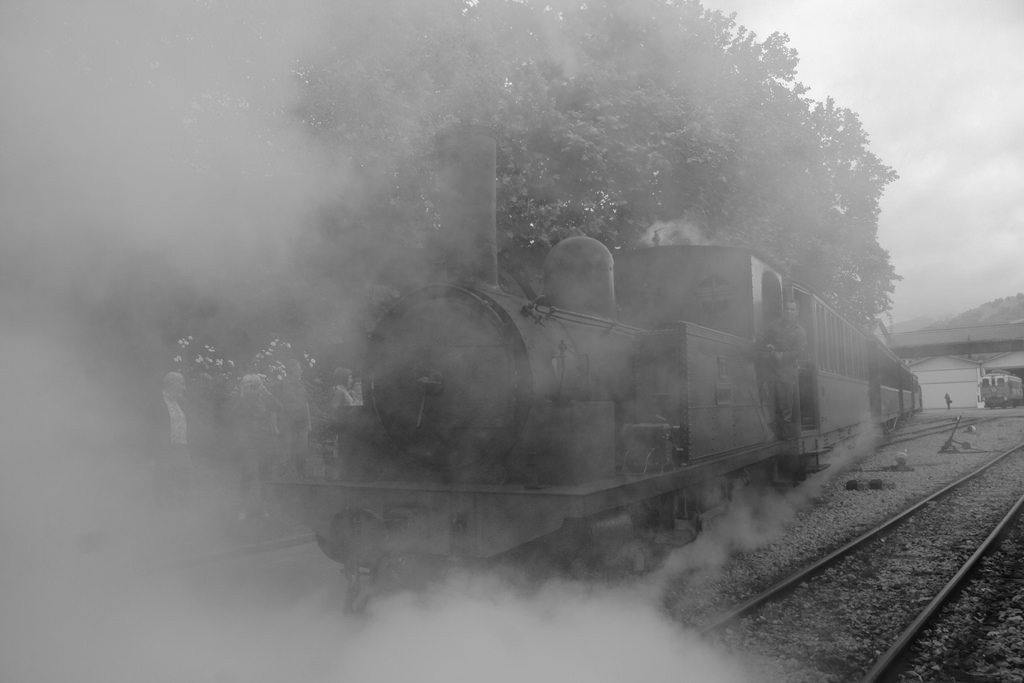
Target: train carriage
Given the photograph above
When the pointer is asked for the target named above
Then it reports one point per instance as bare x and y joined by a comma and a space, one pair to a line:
1001, 390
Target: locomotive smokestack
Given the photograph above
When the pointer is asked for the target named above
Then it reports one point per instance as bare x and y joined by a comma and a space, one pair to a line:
467, 244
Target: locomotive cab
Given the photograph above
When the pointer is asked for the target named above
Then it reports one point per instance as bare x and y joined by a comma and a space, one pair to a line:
722, 288
708, 308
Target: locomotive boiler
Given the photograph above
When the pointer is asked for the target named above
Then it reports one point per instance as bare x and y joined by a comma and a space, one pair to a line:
625, 399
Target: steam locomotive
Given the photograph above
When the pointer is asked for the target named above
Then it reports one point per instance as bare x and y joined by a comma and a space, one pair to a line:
629, 396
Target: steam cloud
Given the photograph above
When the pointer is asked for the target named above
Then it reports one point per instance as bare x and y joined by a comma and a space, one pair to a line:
681, 231
146, 146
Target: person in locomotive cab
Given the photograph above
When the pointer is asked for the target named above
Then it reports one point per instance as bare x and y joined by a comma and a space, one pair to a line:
785, 345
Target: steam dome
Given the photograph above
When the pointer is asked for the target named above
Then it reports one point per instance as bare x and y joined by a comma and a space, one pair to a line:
578, 276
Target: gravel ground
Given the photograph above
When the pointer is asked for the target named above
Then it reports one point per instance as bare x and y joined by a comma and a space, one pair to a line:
834, 627
980, 636
765, 538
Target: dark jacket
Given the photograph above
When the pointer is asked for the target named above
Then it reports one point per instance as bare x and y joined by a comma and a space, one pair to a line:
790, 344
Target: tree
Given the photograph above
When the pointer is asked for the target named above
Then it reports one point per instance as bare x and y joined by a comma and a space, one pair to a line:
611, 117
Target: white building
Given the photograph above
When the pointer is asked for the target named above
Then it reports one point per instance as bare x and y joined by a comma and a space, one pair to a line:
958, 376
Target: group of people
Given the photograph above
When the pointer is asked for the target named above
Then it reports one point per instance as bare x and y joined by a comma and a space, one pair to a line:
266, 430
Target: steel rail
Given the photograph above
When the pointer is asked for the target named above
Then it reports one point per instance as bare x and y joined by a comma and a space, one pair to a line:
888, 665
788, 584
928, 430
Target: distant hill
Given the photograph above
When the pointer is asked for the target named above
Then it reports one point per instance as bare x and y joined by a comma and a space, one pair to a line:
1007, 310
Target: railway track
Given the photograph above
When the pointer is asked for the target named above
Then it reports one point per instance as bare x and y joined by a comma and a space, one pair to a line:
863, 582
910, 434
977, 636
896, 658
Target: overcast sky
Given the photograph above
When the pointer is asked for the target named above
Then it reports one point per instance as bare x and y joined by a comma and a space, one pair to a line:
939, 88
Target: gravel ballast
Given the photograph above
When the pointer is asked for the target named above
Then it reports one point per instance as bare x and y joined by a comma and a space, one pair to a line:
765, 538
980, 635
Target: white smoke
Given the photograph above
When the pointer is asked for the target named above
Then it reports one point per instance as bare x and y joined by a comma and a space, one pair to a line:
676, 232
145, 145
757, 516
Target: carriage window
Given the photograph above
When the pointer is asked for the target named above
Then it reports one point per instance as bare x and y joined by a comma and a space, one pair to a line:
825, 355
984, 382
819, 316
854, 349
827, 336
844, 349
847, 351
855, 355
833, 343
840, 351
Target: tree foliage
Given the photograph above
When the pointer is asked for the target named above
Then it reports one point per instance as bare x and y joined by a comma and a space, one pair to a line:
612, 117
